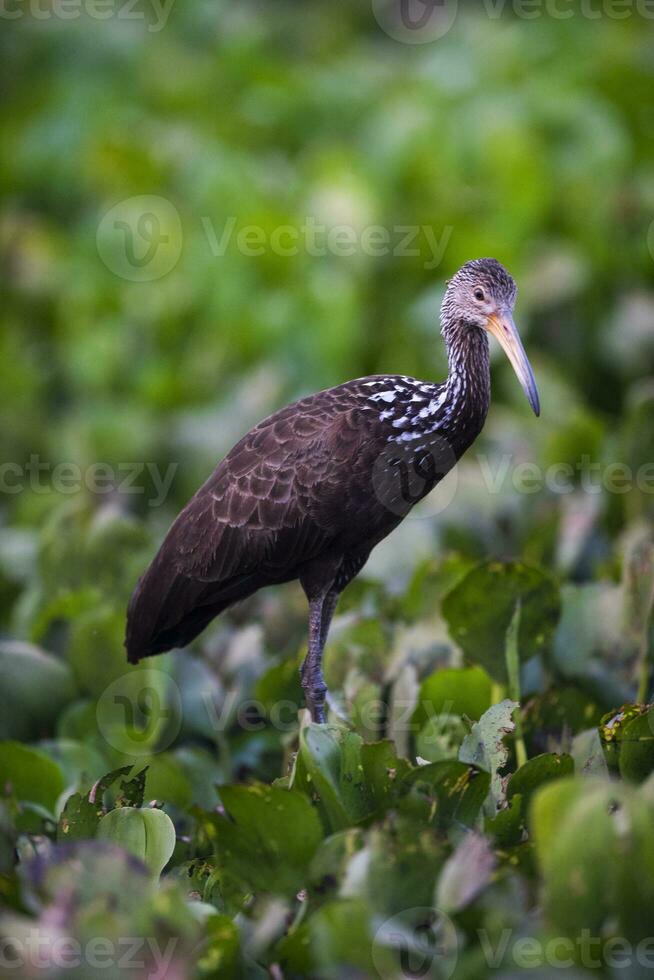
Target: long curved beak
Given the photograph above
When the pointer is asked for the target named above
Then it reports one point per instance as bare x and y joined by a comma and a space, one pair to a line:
501, 325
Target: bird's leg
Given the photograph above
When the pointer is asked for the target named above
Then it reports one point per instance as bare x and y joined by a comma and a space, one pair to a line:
321, 610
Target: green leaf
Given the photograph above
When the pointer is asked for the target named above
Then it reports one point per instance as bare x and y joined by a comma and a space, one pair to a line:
454, 793
106, 781
551, 718
595, 848
335, 942
480, 607
627, 737
270, 839
484, 747
79, 819
220, 950
537, 772
403, 863
148, 834
30, 775
441, 738
132, 791
35, 688
453, 692
352, 778
321, 750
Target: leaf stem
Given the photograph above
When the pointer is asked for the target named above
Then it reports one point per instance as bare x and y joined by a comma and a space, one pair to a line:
513, 672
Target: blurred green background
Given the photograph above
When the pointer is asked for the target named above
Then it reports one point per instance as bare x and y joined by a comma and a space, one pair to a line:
528, 140
137, 332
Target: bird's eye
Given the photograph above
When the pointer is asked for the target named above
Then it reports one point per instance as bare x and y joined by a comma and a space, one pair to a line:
479, 294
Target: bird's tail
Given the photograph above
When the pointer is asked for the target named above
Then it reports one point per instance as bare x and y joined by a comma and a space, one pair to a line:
169, 610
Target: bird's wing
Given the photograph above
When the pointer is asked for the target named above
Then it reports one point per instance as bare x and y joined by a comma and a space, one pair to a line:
284, 495
277, 498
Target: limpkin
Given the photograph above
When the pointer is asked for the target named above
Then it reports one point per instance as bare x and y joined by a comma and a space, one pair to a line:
310, 491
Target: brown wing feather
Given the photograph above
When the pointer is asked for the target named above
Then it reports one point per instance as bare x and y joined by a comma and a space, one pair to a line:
276, 501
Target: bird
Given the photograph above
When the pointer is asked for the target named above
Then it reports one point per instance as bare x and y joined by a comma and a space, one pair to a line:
312, 489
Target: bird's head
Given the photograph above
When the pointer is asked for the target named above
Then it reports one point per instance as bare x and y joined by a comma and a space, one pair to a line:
482, 296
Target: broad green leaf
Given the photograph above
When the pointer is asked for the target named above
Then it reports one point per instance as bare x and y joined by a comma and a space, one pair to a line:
352, 778
403, 861
333, 856
485, 747
550, 718
105, 782
507, 827
441, 738
219, 954
537, 772
148, 834
453, 792
322, 750
270, 839
596, 853
30, 775
627, 738
79, 819
334, 942
453, 692
480, 607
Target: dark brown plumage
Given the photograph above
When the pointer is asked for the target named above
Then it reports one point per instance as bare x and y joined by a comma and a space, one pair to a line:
310, 491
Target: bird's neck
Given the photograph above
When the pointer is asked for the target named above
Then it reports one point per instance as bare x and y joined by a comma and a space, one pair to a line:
421, 416
468, 384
